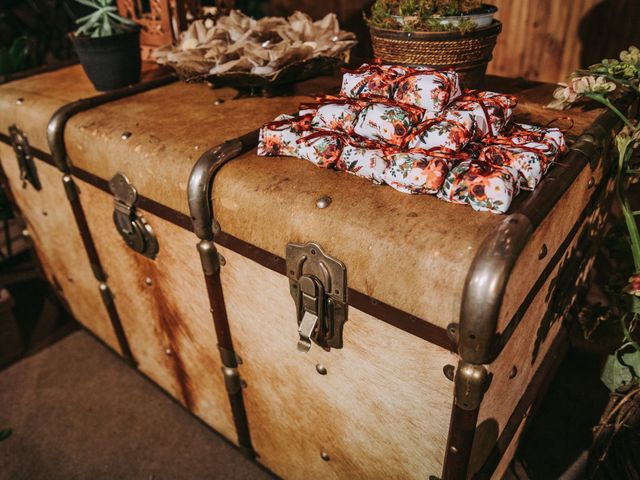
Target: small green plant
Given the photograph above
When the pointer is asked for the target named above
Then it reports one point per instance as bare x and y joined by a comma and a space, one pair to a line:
14, 58
600, 82
104, 22
422, 15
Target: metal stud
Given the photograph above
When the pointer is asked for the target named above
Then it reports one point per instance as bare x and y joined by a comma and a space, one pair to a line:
453, 449
321, 369
168, 352
197, 147
222, 260
591, 182
323, 202
452, 332
218, 101
543, 251
125, 135
449, 371
148, 281
45, 213
19, 101
324, 456
25, 233
513, 372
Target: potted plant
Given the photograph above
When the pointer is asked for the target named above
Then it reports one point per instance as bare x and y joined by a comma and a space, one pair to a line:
438, 33
617, 436
108, 46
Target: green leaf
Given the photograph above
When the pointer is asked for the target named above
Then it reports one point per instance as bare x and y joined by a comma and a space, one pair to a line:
621, 368
5, 433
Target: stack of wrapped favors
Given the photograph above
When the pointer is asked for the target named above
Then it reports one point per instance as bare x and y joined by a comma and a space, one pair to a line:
417, 131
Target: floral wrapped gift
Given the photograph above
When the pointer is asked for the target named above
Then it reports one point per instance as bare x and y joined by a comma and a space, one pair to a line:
483, 186
416, 172
322, 148
528, 149
370, 80
428, 89
338, 115
369, 163
280, 137
386, 122
452, 131
490, 111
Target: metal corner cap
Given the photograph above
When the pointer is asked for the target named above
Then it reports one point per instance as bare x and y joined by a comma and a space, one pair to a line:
485, 287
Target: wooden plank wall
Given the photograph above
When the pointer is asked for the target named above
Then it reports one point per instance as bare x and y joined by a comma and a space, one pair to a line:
547, 39
541, 40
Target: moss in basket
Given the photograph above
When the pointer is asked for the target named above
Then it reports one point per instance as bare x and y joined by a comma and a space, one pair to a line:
104, 21
422, 15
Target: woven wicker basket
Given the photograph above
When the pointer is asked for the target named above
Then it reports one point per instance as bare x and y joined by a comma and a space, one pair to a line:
468, 53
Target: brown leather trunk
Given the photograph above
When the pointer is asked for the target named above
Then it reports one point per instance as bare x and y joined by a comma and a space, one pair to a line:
453, 318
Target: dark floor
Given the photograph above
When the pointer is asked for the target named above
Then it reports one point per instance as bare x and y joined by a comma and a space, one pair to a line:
76, 410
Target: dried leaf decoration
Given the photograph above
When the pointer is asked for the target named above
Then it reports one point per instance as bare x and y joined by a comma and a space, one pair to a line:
238, 43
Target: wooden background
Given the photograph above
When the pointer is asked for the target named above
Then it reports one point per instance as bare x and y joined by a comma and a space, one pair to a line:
541, 40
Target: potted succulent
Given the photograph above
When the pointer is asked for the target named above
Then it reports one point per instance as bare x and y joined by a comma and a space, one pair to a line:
108, 46
438, 33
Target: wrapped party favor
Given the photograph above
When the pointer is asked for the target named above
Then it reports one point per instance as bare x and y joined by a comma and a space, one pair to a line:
416, 172
428, 89
528, 149
280, 137
369, 163
338, 115
370, 80
322, 148
387, 122
452, 131
483, 186
490, 111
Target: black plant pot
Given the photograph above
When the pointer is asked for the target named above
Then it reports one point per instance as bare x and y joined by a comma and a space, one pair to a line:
110, 62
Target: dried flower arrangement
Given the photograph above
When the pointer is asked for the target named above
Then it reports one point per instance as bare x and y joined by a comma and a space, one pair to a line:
238, 43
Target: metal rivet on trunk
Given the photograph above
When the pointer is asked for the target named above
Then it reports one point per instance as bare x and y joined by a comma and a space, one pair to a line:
25, 233
543, 251
513, 372
19, 101
324, 456
591, 182
168, 351
323, 202
222, 261
219, 101
453, 449
148, 281
321, 369
449, 371
125, 135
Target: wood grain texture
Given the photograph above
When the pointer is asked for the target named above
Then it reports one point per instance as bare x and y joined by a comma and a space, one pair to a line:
546, 40
52, 227
164, 310
381, 411
535, 334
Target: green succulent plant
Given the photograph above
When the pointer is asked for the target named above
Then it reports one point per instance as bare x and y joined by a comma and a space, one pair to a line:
422, 14
104, 22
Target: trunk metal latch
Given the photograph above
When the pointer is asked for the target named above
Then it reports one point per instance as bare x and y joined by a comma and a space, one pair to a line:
318, 285
22, 149
132, 226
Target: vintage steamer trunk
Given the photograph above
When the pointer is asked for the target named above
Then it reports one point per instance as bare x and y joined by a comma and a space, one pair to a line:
439, 324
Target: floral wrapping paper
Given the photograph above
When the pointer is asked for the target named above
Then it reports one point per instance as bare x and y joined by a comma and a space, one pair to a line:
452, 131
336, 117
280, 138
322, 148
369, 163
369, 80
415, 172
386, 123
490, 111
430, 90
528, 149
483, 186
